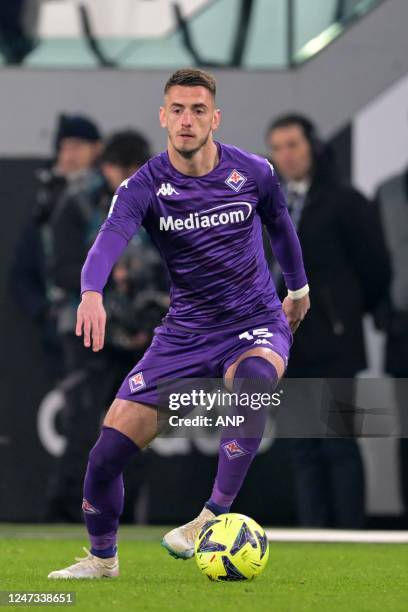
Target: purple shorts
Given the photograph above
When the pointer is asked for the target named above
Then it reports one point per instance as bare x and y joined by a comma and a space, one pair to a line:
183, 354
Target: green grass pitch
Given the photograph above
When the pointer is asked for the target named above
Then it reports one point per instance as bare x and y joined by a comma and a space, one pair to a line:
298, 577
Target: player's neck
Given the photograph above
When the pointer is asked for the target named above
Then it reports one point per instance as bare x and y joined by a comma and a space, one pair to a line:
201, 163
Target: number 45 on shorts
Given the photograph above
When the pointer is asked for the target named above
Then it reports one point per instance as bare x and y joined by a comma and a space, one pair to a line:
260, 332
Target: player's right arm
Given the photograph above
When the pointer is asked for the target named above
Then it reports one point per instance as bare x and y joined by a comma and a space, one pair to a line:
91, 316
129, 206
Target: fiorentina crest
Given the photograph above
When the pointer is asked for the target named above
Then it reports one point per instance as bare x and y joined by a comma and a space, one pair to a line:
233, 450
235, 180
136, 382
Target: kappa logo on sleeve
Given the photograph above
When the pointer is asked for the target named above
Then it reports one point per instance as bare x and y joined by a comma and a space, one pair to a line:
235, 180
233, 450
137, 382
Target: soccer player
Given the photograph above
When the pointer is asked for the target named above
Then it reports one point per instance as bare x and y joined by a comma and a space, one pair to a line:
204, 204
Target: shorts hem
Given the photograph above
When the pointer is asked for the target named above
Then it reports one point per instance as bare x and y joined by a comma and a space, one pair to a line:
231, 360
149, 403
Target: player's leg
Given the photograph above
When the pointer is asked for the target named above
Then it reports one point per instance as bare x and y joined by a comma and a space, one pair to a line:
128, 427
130, 424
255, 370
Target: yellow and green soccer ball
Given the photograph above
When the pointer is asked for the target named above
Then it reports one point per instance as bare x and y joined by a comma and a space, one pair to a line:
231, 547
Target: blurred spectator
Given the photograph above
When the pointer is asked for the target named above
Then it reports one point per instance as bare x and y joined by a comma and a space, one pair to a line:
124, 153
43, 287
28, 274
348, 270
28, 280
392, 199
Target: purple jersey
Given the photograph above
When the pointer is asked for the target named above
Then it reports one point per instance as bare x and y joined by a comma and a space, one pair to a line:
209, 232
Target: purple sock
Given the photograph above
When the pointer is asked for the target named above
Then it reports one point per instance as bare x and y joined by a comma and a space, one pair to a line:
253, 375
103, 489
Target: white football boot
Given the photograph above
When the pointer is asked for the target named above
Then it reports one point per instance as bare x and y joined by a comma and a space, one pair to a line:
180, 541
89, 567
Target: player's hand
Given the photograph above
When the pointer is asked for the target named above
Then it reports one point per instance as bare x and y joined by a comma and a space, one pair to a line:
295, 310
91, 320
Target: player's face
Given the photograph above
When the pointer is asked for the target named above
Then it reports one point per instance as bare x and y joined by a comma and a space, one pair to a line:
75, 155
291, 152
190, 117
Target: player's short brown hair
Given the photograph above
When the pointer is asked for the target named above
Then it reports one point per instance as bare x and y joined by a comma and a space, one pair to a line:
192, 77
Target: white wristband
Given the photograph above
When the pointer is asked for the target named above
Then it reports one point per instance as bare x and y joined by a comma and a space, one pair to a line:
299, 293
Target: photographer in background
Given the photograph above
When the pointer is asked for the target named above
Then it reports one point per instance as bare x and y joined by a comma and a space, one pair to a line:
28, 277
348, 270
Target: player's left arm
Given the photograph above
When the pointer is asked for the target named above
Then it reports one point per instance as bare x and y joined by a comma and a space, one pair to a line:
285, 246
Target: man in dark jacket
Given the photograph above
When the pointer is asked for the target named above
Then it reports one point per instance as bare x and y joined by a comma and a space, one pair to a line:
392, 200
347, 266
28, 278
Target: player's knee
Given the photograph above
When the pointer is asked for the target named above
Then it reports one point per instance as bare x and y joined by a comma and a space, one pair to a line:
258, 371
255, 377
103, 461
